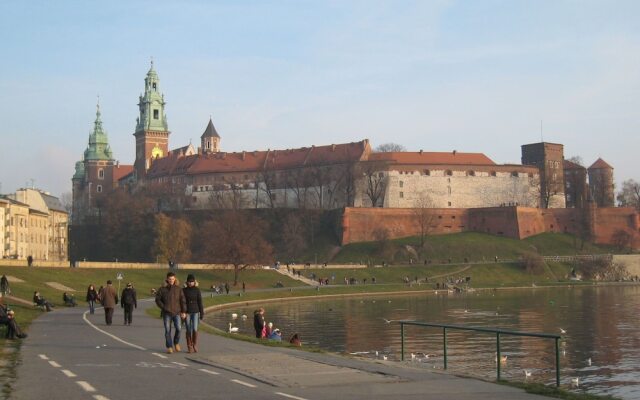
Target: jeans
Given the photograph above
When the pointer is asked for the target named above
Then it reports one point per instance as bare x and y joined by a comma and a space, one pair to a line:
92, 306
192, 322
168, 320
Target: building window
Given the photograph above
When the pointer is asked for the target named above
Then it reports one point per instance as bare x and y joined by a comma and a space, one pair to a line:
471, 173
155, 114
514, 174
492, 173
448, 172
427, 172
449, 204
101, 173
449, 190
402, 195
99, 188
401, 184
155, 86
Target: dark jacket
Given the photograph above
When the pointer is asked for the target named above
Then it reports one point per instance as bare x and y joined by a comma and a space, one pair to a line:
171, 299
128, 297
108, 297
193, 297
92, 295
258, 323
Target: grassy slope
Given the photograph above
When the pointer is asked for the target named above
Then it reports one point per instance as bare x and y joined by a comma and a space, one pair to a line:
470, 245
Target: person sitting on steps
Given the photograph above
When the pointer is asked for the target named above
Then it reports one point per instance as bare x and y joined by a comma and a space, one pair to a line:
7, 317
41, 301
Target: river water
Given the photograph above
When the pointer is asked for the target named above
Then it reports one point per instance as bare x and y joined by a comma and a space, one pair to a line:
601, 346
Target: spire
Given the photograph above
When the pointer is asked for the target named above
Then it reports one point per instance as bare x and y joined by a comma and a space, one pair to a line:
98, 148
210, 131
151, 104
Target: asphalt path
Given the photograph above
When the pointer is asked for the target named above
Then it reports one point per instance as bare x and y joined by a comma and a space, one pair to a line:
71, 354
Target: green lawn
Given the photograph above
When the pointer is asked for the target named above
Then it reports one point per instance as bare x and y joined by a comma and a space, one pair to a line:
475, 247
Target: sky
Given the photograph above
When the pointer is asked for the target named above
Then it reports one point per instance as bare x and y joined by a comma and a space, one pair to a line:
472, 76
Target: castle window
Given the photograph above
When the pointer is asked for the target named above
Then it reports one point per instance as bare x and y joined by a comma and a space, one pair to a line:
402, 195
155, 114
155, 86
427, 172
471, 173
401, 184
449, 189
449, 204
101, 173
514, 173
448, 172
492, 173
99, 188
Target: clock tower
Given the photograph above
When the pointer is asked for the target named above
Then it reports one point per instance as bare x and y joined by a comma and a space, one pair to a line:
152, 131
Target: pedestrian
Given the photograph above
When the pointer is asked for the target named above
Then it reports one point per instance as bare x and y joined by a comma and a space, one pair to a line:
244, 288
226, 287
295, 340
92, 297
170, 299
109, 299
259, 323
4, 286
30, 261
195, 312
128, 301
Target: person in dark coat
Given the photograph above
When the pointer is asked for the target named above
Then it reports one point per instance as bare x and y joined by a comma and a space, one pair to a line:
4, 285
259, 323
7, 317
109, 299
128, 301
69, 300
92, 297
41, 301
170, 299
195, 312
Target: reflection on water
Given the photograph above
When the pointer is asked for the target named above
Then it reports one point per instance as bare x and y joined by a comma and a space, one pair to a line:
601, 346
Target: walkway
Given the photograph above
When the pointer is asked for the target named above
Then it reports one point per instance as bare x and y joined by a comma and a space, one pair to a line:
82, 358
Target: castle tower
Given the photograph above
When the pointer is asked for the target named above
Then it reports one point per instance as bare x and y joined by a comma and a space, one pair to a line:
601, 183
152, 131
210, 140
548, 157
93, 178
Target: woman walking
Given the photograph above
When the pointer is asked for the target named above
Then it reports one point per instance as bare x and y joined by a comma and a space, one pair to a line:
92, 297
259, 324
195, 312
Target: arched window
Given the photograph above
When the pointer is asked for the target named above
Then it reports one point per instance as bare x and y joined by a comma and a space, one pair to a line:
101, 173
99, 188
448, 172
427, 172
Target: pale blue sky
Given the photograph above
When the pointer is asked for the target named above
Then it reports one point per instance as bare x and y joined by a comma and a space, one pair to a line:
474, 76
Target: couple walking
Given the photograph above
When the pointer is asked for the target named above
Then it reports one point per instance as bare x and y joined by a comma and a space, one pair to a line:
180, 304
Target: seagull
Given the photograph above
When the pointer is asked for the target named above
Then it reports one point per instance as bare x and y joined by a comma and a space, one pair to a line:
384, 357
234, 316
563, 331
575, 382
376, 353
527, 374
388, 321
589, 361
413, 356
233, 329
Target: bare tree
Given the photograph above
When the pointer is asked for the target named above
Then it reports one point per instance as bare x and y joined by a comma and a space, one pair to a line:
228, 196
239, 239
299, 181
424, 216
293, 236
629, 196
172, 238
389, 147
375, 182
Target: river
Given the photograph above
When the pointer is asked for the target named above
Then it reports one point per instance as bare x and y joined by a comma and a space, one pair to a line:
600, 346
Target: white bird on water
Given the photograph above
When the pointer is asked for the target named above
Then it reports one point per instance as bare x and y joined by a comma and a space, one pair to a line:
244, 317
234, 316
384, 357
589, 361
527, 374
233, 329
575, 382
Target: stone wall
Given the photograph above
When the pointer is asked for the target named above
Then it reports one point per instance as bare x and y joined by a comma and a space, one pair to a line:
630, 261
359, 224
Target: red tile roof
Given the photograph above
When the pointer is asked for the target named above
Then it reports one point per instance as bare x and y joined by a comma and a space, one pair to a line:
566, 164
600, 164
433, 158
247, 161
120, 171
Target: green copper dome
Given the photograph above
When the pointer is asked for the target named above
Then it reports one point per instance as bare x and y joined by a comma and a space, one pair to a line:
79, 170
98, 148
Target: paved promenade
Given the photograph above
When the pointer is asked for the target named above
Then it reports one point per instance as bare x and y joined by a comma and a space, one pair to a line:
72, 355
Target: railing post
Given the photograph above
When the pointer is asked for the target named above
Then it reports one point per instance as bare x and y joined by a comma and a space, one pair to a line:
557, 364
401, 341
444, 343
498, 353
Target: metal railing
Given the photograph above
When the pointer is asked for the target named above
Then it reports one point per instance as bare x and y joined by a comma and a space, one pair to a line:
498, 333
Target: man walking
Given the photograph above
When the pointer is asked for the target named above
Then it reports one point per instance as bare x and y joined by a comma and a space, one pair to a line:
109, 299
128, 301
170, 299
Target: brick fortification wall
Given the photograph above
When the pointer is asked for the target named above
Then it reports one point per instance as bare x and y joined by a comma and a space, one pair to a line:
360, 224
